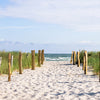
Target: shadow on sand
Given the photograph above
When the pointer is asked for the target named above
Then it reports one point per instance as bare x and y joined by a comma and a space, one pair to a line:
65, 64
91, 93
77, 82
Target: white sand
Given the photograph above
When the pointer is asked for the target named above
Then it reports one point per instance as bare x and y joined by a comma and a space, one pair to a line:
53, 81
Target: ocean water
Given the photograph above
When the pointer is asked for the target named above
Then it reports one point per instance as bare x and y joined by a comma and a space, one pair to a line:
57, 57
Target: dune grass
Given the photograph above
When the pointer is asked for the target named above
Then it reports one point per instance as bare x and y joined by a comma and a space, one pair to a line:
93, 60
26, 61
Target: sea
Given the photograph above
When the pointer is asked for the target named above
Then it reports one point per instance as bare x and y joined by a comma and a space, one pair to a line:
57, 57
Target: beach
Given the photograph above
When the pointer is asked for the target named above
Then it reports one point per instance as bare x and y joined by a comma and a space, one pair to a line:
55, 80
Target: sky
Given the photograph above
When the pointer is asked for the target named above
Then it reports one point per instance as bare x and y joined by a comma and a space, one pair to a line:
69, 24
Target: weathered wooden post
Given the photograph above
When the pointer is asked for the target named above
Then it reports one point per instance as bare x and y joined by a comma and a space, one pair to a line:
99, 66
9, 67
39, 57
78, 58
74, 58
85, 70
71, 58
42, 57
33, 59
20, 63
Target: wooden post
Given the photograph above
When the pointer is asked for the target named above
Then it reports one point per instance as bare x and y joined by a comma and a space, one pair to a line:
78, 58
99, 66
9, 67
74, 58
71, 58
42, 57
39, 57
20, 63
85, 71
33, 59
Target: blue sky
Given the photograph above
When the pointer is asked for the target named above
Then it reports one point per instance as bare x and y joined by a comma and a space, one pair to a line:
59, 22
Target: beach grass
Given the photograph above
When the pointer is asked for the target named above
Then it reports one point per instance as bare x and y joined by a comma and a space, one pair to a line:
93, 60
26, 61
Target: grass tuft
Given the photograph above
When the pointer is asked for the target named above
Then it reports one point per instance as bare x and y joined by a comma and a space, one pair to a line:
26, 61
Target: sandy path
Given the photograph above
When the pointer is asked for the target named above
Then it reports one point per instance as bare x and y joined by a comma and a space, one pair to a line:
53, 81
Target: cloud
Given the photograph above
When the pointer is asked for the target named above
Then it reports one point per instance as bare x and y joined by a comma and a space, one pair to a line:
49, 48
15, 27
89, 44
86, 42
74, 14
1, 40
